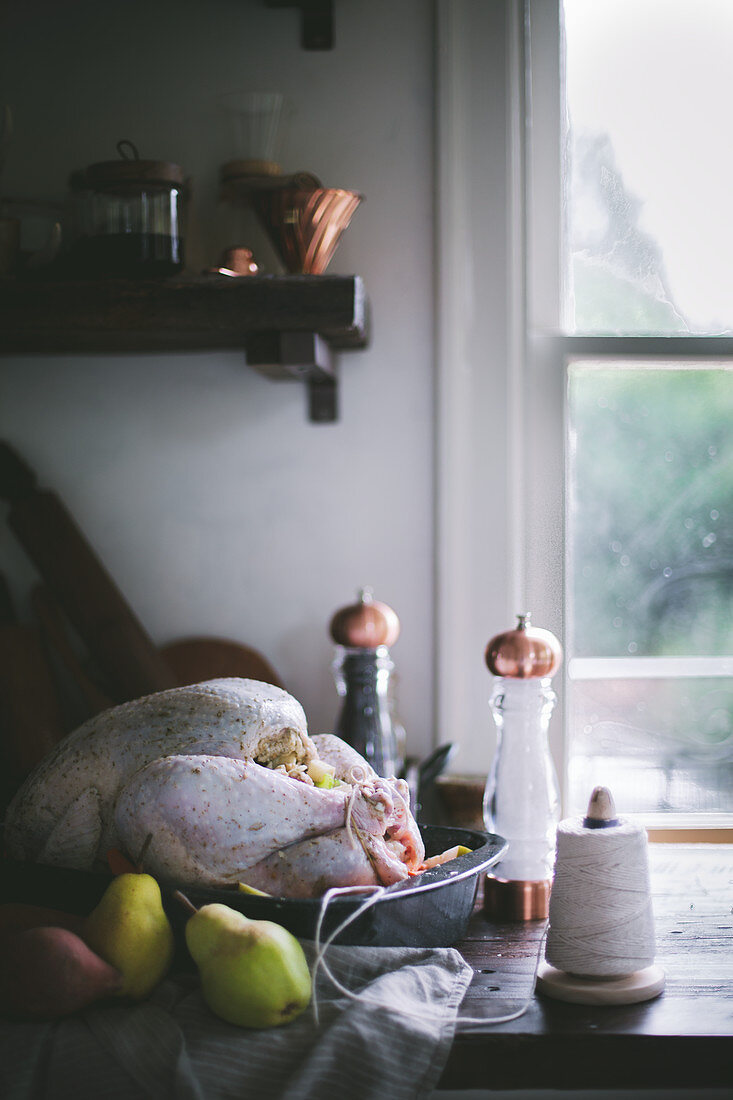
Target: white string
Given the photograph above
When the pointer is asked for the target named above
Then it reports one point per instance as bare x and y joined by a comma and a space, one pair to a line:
601, 921
337, 891
349, 811
525, 1005
375, 894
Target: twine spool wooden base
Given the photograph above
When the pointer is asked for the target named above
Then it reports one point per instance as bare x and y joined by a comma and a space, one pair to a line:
643, 985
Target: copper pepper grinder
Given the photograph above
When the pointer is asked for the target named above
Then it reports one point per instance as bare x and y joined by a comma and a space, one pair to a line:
363, 633
521, 799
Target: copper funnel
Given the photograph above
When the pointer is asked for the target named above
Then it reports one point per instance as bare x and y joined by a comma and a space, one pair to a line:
305, 224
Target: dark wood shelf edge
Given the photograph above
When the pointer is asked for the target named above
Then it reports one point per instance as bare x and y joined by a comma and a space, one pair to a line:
186, 314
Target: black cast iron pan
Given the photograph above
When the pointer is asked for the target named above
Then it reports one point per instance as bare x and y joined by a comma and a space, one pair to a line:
428, 910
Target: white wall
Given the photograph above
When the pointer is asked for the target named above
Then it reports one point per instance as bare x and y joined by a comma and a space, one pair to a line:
215, 504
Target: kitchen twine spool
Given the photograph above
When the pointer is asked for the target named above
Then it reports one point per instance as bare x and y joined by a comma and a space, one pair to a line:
600, 938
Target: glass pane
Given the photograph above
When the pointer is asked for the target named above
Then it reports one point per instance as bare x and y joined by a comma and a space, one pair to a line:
649, 234
649, 628
650, 510
661, 745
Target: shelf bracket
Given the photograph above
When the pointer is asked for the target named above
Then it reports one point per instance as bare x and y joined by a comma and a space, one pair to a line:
302, 357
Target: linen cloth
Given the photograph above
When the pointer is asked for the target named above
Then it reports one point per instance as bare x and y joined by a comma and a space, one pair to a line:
391, 1042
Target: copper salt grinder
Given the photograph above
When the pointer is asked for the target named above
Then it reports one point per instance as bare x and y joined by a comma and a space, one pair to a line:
521, 798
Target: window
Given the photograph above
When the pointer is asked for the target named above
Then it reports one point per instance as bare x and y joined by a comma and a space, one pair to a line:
606, 501
646, 179
649, 585
649, 466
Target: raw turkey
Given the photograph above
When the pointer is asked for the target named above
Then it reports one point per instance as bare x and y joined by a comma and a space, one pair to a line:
219, 775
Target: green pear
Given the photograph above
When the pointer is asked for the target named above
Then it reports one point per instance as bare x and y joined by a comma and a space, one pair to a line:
253, 972
129, 929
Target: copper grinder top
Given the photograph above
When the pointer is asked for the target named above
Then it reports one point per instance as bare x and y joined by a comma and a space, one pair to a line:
525, 652
366, 624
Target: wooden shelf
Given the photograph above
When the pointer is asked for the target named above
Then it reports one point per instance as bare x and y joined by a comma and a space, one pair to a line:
288, 325
207, 312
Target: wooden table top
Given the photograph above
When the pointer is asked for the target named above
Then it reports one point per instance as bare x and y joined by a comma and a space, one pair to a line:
682, 1039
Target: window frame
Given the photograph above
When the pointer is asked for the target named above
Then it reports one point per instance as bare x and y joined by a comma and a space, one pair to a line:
500, 533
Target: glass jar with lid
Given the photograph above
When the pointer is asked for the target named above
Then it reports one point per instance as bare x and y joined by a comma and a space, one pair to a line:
131, 221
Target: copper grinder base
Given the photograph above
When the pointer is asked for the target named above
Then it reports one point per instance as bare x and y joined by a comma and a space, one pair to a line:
516, 899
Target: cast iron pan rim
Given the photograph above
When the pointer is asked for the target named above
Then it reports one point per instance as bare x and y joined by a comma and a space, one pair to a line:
491, 849
63, 888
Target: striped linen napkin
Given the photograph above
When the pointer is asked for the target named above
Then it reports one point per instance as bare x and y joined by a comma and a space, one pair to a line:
391, 1040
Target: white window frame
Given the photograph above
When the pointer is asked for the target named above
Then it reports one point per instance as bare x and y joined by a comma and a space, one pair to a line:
501, 359
499, 542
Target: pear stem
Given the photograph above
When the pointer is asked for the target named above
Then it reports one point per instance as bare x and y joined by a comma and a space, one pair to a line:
184, 901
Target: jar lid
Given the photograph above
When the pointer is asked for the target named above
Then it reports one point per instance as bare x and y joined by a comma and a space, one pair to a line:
525, 652
250, 170
130, 170
367, 624
240, 180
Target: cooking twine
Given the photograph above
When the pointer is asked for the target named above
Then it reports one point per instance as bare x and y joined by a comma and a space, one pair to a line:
375, 893
601, 923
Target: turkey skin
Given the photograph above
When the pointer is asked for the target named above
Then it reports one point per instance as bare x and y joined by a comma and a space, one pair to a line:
215, 780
